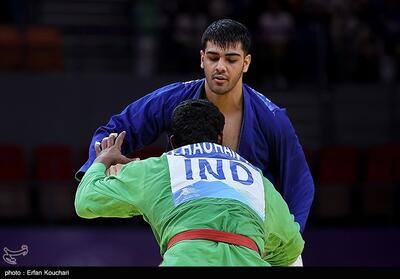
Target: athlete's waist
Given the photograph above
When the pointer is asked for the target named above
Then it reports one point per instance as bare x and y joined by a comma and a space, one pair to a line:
217, 236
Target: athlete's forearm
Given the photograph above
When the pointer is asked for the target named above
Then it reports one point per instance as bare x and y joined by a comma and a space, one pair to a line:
95, 196
85, 195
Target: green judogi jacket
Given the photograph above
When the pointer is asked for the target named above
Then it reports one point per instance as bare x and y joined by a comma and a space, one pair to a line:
198, 186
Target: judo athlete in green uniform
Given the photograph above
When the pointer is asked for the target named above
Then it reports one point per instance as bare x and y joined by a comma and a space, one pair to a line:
206, 205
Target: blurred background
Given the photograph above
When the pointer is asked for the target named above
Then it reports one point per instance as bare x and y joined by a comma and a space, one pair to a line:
66, 66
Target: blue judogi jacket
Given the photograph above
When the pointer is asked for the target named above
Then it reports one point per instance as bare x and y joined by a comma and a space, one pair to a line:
267, 138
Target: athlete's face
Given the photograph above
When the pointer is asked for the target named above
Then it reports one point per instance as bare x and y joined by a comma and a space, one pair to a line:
224, 68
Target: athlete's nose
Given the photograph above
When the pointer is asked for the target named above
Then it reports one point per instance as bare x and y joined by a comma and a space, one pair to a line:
221, 68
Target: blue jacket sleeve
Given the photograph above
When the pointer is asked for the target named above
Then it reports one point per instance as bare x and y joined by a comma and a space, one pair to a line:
143, 120
294, 174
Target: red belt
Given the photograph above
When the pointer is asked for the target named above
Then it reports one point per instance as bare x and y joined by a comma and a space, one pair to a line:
214, 235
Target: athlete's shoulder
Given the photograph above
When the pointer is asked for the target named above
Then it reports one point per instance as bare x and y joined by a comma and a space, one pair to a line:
148, 165
192, 86
260, 99
180, 87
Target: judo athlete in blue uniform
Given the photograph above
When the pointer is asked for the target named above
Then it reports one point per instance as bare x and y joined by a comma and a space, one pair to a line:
255, 128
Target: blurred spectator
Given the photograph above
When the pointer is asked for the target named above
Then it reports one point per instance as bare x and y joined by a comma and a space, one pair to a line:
188, 26
276, 28
389, 30
147, 21
295, 40
367, 53
218, 9
343, 28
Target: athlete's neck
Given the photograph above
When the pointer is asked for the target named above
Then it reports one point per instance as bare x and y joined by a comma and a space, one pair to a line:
229, 102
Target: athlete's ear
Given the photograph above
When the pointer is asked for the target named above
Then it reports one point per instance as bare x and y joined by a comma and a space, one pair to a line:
220, 137
172, 141
202, 59
247, 61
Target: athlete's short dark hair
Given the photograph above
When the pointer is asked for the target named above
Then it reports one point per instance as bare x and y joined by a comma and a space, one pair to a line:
225, 33
196, 121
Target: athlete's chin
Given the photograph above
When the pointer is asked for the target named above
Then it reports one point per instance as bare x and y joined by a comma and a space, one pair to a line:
220, 90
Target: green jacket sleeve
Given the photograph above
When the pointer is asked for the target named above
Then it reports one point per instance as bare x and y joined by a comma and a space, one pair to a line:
99, 195
283, 241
